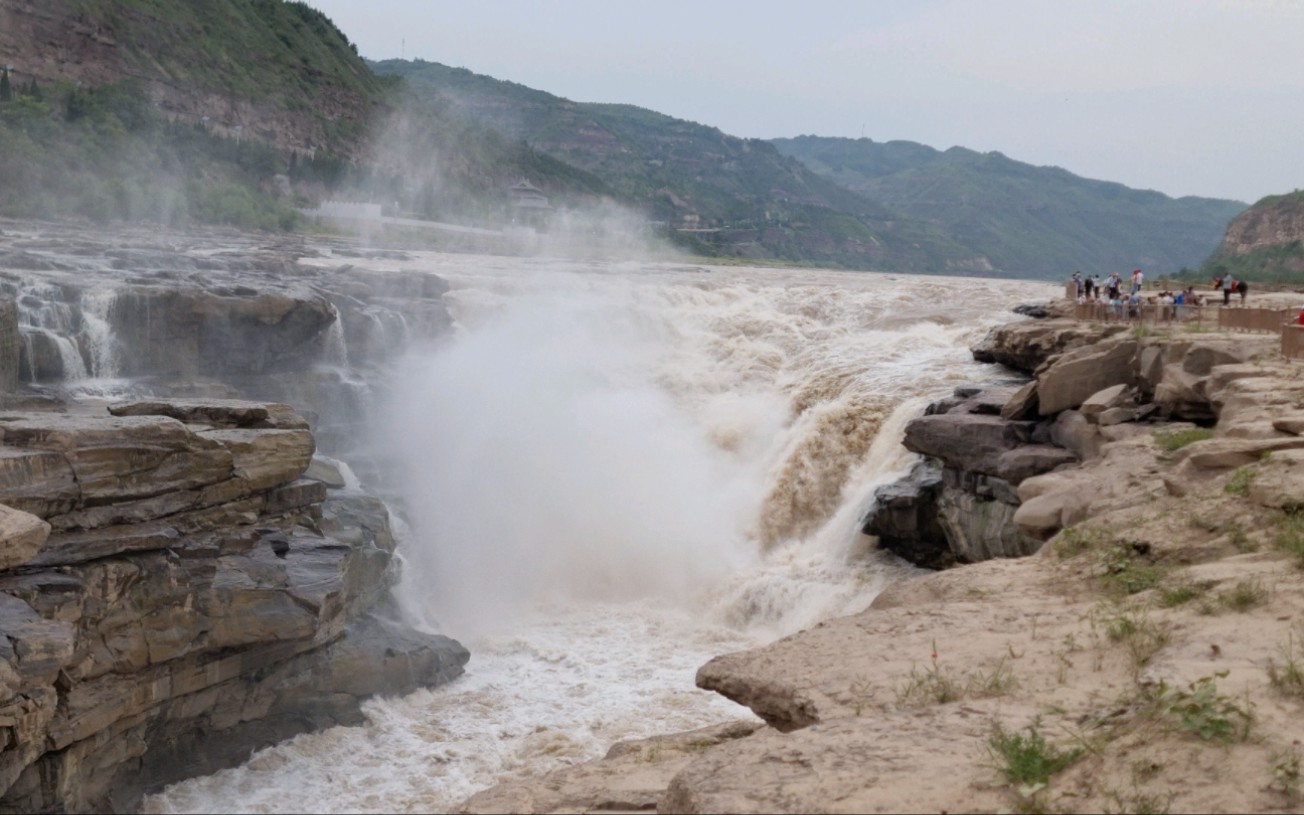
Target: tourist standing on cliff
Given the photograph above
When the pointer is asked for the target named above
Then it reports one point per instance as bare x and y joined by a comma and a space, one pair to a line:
1138, 277
1242, 288
1228, 283
1088, 286
1112, 285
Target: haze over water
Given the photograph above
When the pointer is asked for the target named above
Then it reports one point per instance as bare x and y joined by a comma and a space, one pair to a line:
610, 473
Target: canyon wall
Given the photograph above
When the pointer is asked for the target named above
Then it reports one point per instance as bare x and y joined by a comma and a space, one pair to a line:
183, 577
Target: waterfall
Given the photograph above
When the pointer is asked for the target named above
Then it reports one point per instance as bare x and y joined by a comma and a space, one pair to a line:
613, 475
100, 344
335, 350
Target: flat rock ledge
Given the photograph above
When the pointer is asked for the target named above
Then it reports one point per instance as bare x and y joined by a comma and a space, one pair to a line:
1189, 465
175, 594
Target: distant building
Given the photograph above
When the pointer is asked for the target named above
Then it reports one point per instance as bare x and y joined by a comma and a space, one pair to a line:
529, 204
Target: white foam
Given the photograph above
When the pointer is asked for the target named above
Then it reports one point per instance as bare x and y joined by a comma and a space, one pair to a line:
593, 463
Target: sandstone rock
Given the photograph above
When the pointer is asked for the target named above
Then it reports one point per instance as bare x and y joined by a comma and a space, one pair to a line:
903, 517
1041, 517
1116, 415
1073, 432
122, 457
966, 441
1102, 401
1023, 404
978, 530
1026, 345
37, 481
1226, 453
1081, 372
21, 536
1028, 460
266, 458
221, 413
327, 471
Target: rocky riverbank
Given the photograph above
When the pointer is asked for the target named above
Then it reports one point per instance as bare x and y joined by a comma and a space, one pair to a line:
183, 579
1142, 658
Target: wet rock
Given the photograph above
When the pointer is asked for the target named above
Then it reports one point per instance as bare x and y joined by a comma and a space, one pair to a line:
196, 599
903, 516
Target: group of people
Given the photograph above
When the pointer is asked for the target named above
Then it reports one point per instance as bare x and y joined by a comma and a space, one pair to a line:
1110, 291
1108, 294
1091, 289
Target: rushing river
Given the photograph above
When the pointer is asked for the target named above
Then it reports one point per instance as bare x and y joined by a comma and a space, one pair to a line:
611, 473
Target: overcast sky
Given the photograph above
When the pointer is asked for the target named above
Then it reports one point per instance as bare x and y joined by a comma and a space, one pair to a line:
1188, 97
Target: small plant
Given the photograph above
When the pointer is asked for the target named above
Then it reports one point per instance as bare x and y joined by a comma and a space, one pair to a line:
1288, 677
1290, 534
1285, 773
1140, 635
1027, 761
1121, 570
1173, 440
1239, 483
1236, 537
1184, 592
1244, 596
938, 686
1075, 540
1204, 712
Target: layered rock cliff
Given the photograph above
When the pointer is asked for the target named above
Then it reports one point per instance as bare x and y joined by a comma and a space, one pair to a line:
1263, 243
175, 589
174, 594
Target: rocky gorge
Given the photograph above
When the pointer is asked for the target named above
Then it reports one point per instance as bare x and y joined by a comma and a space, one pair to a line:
1130, 519
183, 576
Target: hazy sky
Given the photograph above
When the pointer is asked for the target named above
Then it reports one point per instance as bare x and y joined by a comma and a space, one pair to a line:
1188, 97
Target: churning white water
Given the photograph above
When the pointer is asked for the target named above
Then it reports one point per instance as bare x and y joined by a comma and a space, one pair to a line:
613, 472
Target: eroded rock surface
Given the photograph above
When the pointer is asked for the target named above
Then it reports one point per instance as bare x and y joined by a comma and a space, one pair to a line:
173, 595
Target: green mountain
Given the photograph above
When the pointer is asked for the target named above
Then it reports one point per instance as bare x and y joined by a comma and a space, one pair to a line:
1042, 221
1265, 243
721, 193
176, 112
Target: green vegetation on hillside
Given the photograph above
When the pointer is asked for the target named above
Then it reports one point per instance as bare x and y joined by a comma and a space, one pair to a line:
106, 154
1024, 219
276, 53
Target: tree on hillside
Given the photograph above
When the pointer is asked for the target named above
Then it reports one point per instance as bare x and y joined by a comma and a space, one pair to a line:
6, 93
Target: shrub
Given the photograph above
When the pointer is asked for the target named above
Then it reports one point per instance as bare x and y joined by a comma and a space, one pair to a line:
1028, 760
1177, 439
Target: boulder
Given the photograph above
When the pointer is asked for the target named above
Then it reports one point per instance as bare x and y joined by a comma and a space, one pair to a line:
978, 529
1024, 346
1028, 460
1101, 401
21, 536
966, 441
1023, 404
903, 516
1073, 432
1082, 372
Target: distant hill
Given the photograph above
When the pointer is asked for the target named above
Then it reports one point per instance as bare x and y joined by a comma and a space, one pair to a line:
1264, 243
738, 196
1024, 219
277, 71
